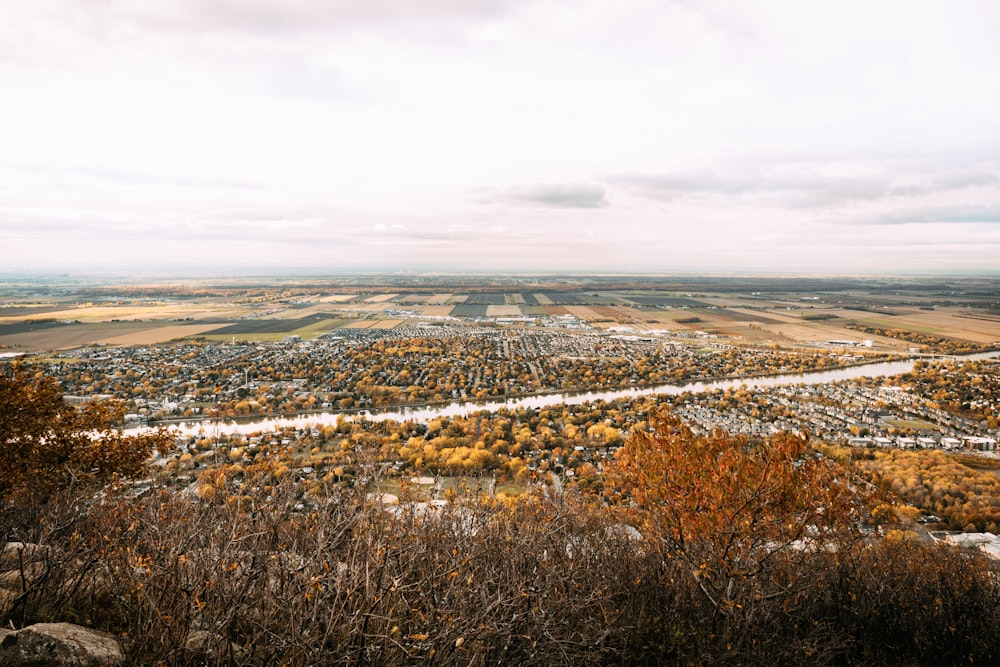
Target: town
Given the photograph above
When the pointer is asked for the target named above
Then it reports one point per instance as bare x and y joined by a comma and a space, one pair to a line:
512, 388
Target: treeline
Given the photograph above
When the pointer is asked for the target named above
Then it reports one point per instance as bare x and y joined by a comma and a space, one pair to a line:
966, 498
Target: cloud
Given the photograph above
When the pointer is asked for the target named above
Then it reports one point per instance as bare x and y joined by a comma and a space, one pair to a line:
303, 16
804, 185
556, 196
958, 214
966, 179
796, 187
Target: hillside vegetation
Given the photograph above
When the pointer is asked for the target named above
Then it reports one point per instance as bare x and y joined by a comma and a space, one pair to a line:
701, 549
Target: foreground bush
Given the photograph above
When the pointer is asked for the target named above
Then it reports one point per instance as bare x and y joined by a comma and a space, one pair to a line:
537, 581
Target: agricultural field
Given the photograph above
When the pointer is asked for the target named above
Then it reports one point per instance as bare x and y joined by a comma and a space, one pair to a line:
503, 311
805, 313
71, 336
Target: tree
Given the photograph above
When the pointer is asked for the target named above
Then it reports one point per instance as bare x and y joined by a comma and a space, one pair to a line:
741, 516
48, 445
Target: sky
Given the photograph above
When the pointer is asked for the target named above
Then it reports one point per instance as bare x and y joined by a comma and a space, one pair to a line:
664, 136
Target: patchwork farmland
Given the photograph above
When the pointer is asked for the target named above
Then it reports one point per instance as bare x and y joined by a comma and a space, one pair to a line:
806, 313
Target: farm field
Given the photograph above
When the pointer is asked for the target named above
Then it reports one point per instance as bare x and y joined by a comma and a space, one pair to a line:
70, 336
503, 311
803, 313
337, 298
435, 311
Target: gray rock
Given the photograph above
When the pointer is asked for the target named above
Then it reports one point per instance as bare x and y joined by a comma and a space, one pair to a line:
63, 644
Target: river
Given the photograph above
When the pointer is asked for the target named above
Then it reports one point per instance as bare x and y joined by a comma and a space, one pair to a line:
458, 408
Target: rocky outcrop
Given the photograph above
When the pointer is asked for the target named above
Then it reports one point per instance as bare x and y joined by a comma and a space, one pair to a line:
62, 644
21, 565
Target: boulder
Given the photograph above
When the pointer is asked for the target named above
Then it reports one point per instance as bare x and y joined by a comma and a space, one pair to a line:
16, 579
63, 644
16, 553
202, 645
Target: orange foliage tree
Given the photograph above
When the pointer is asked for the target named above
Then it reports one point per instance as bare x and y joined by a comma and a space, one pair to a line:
47, 445
730, 509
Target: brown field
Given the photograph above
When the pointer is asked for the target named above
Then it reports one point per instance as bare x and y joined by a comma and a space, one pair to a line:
457, 298
380, 298
373, 324
73, 335
951, 323
297, 313
337, 298
411, 299
92, 314
790, 316
606, 311
386, 324
514, 298
159, 334
958, 324
503, 311
586, 313
438, 299
363, 308
435, 311
114, 333
656, 319
556, 310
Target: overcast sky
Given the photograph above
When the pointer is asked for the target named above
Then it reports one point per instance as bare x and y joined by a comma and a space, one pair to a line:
500, 135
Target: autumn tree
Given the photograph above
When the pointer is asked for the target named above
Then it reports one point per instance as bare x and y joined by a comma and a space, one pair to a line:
740, 516
47, 445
